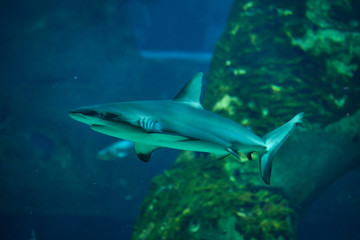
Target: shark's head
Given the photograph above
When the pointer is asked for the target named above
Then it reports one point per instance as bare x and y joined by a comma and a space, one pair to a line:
100, 115
89, 115
109, 119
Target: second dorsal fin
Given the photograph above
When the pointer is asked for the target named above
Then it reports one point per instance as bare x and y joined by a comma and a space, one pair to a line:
191, 92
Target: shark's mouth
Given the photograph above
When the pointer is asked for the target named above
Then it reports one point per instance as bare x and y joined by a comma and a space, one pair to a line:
97, 125
84, 112
76, 115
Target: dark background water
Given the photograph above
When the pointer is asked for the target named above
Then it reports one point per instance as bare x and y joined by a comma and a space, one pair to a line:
58, 55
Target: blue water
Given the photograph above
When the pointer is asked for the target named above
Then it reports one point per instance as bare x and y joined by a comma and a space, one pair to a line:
58, 55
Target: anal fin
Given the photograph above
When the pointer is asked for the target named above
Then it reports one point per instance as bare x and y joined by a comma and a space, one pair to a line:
231, 151
144, 151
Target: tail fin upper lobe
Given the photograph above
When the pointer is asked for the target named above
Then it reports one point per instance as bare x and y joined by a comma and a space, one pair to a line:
274, 140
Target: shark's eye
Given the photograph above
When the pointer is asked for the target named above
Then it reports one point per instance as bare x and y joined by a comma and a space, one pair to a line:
102, 115
106, 115
111, 116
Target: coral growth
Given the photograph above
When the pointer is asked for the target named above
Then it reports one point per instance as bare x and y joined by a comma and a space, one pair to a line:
276, 58
279, 57
199, 199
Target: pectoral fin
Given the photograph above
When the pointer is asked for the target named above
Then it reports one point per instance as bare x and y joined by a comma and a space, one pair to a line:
144, 151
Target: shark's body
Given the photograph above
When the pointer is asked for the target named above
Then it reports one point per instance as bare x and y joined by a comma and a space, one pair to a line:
183, 124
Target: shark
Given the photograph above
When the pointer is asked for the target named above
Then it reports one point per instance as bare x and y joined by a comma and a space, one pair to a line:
182, 123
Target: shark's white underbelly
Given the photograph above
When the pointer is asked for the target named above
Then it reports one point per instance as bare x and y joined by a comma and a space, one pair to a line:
160, 139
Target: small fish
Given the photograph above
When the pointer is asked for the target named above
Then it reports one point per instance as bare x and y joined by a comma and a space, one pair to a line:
182, 123
115, 151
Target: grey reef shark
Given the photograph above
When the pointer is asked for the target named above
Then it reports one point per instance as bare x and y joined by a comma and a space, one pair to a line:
182, 123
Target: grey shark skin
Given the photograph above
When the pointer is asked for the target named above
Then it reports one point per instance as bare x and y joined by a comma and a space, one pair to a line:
183, 124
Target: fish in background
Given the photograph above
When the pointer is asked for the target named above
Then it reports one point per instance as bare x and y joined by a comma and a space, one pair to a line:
116, 151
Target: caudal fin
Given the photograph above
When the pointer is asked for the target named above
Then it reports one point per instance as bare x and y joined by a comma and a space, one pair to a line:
274, 140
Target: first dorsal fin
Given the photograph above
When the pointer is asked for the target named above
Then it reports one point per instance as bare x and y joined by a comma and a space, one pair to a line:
191, 92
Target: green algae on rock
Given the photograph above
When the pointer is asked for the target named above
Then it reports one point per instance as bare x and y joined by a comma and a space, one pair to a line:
202, 198
274, 59
198, 199
279, 57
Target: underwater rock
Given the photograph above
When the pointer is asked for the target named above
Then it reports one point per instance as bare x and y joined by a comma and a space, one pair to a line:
198, 199
279, 58
275, 58
325, 154
202, 198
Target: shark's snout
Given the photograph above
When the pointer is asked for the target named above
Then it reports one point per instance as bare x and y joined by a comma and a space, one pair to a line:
76, 115
83, 114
